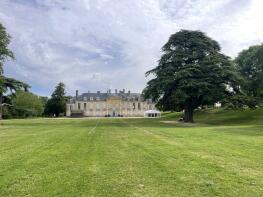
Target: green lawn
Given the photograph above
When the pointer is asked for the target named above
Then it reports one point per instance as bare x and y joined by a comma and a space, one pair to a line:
221, 155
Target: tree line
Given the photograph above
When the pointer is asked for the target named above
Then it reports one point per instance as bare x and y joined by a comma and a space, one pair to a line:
25, 104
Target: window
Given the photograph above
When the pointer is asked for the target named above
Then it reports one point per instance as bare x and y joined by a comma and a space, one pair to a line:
91, 98
78, 105
98, 98
133, 106
85, 106
85, 98
139, 106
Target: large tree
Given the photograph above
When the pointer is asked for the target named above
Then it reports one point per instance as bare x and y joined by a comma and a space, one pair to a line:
7, 84
191, 72
250, 65
27, 104
57, 103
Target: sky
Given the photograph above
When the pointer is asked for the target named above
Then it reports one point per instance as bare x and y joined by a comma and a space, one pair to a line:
95, 45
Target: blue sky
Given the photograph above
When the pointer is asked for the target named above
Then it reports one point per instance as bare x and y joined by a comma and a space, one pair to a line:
99, 44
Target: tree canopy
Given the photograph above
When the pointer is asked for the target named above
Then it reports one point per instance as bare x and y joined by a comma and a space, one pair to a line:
5, 52
57, 103
250, 65
27, 104
7, 83
191, 72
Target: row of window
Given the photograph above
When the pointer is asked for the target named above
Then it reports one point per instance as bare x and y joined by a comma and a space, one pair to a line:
104, 106
98, 99
91, 98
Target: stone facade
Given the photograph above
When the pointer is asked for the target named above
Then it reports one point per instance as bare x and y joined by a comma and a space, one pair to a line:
118, 104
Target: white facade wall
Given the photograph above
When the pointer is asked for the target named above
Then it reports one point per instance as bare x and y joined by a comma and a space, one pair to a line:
112, 108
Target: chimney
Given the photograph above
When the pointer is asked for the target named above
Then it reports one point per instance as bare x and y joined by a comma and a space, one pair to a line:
123, 90
77, 94
129, 92
116, 91
109, 90
98, 92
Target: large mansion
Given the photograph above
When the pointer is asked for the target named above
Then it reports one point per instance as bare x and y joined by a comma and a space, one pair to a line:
117, 104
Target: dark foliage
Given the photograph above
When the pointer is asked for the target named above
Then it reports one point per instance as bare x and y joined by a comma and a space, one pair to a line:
56, 105
6, 83
249, 63
192, 72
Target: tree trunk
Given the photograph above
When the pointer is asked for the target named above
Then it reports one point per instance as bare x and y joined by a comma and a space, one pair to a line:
1, 105
188, 112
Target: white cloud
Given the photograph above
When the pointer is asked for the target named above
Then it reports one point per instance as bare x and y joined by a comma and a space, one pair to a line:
100, 44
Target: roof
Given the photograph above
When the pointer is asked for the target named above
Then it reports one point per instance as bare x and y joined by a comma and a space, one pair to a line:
88, 96
99, 96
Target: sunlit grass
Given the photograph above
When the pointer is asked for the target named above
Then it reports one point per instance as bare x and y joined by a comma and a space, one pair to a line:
220, 155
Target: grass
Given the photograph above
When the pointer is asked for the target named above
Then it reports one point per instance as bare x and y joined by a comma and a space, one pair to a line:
221, 155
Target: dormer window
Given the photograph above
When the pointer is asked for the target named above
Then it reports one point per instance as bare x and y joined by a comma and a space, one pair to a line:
98, 98
85, 98
91, 98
